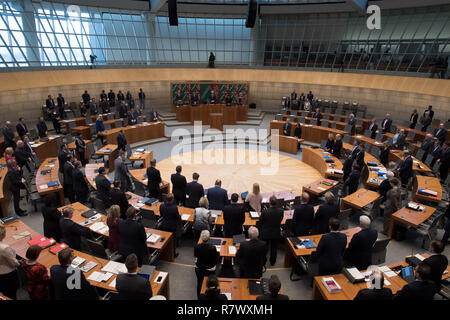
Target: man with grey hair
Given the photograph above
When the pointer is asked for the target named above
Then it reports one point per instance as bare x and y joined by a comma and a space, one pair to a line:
376, 290
121, 172
207, 259
217, 196
251, 255
8, 133
359, 252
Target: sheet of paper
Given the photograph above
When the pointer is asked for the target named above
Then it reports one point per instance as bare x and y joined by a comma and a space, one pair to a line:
43, 187
232, 250
88, 266
113, 283
21, 235
97, 226
320, 188
217, 248
228, 295
96, 217
96, 276
185, 217
115, 267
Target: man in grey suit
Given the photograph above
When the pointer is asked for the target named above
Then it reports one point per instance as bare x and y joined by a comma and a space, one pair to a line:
121, 171
131, 286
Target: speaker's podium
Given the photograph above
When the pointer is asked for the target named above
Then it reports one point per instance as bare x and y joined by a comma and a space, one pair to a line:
216, 121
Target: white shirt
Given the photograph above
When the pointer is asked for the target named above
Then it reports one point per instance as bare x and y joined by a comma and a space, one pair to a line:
8, 261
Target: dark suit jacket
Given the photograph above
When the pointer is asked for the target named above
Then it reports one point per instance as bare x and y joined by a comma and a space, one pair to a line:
347, 167
133, 287
233, 217
373, 130
133, 239
71, 233
417, 290
386, 125
384, 155
406, 170
322, 218
178, 186
337, 148
154, 179
329, 251
42, 129
50, 103
302, 219
103, 188
287, 129
21, 129
58, 277
268, 296
438, 264
436, 152
51, 222
353, 181
121, 141
441, 134
251, 257
195, 191
21, 156
298, 132
8, 133
374, 294
207, 256
360, 158
360, 248
62, 159
217, 198
15, 179
68, 180
80, 184
119, 198
270, 223
170, 217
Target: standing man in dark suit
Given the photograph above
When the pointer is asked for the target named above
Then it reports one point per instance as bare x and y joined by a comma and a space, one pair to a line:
337, 146
359, 251
131, 286
329, 209
195, 99
80, 184
348, 163
16, 182
302, 219
386, 124
217, 196
153, 116
353, 180
270, 224
287, 129
111, 98
360, 156
171, 219
80, 147
355, 149
373, 129
120, 96
330, 249
317, 115
103, 186
422, 288
133, 238
119, 198
142, 99
399, 141
72, 232
60, 103
251, 256
21, 128
8, 135
211, 60
86, 97
68, 179
212, 97
121, 171
132, 119
154, 180
62, 155
22, 156
103, 96
377, 290
42, 128
233, 217
194, 191
444, 160
427, 145
436, 152
293, 95
406, 168
121, 141
425, 121
437, 262
55, 120
430, 112
179, 186
441, 133
50, 103
310, 96
59, 277
122, 110
207, 259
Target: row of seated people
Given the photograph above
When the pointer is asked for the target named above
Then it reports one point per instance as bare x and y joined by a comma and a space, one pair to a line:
301, 102
195, 100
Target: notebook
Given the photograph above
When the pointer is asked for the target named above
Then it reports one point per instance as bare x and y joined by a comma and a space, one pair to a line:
58, 248
52, 183
89, 213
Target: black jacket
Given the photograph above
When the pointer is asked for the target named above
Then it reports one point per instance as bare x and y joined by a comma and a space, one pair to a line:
438, 264
72, 232
373, 130
51, 223
133, 239
417, 290
42, 129
287, 129
337, 148
270, 223
103, 186
21, 156
178, 186
217, 198
154, 179
207, 256
251, 257
322, 218
233, 217
353, 181
302, 220
170, 217
68, 167
195, 191
59, 276
384, 155
80, 184
119, 198
62, 155
15, 179
329, 251
133, 287
121, 141
406, 170
8, 133
21, 129
359, 251
374, 294
347, 167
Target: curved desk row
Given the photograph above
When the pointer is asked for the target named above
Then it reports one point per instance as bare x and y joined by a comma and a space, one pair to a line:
315, 158
136, 133
309, 120
47, 179
418, 166
427, 183
49, 259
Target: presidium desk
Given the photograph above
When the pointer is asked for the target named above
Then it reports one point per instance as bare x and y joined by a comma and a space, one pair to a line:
202, 113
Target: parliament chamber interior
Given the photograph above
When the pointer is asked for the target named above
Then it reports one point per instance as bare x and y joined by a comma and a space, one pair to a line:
224, 150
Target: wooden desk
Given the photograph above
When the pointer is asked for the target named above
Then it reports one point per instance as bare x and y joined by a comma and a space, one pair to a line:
293, 253
216, 121
48, 259
112, 152
104, 116
91, 171
80, 121
248, 222
84, 131
225, 243
165, 247
72, 147
418, 165
183, 113
317, 188
286, 143
409, 218
359, 199
371, 142
5, 191
140, 176
51, 164
145, 157
46, 149
314, 158
430, 183
136, 133
202, 113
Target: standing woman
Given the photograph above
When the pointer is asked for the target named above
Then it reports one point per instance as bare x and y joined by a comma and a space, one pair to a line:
384, 153
38, 279
113, 221
254, 199
393, 203
330, 143
81, 148
202, 218
9, 279
100, 127
170, 219
298, 133
413, 119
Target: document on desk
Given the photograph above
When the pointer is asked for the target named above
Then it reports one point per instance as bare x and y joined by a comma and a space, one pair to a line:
77, 261
43, 187
96, 217
152, 238
185, 217
320, 188
21, 235
160, 277
218, 248
99, 227
100, 276
113, 283
232, 250
88, 266
228, 295
387, 271
115, 267
419, 256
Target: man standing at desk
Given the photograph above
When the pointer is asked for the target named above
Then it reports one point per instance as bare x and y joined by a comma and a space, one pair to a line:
233, 217
287, 129
179, 186
179, 98
211, 60
293, 95
120, 171
42, 128
330, 249
8, 134
154, 180
441, 133
50, 103
121, 141
217, 196
386, 124
17, 182
60, 103
251, 256
21, 128
111, 98
195, 99
153, 116
103, 186
406, 168
317, 115
86, 98
373, 128
194, 191
212, 97
359, 250
142, 98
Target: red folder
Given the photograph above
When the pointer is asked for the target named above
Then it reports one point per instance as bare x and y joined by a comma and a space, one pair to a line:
58, 248
37, 240
47, 243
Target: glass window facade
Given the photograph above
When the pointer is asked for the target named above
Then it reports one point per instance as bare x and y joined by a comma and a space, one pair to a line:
50, 34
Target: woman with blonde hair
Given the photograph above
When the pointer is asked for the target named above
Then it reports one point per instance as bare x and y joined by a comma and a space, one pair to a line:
330, 143
202, 218
254, 198
113, 221
9, 154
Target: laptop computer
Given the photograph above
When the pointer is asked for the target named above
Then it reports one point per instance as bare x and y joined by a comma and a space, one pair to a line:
407, 274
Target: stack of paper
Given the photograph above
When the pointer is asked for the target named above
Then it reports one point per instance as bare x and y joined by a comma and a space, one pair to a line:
99, 276
88, 266
153, 238
185, 217
99, 227
115, 267
77, 261
21, 235
387, 271
232, 250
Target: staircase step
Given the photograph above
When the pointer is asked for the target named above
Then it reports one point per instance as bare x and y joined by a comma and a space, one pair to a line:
147, 142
